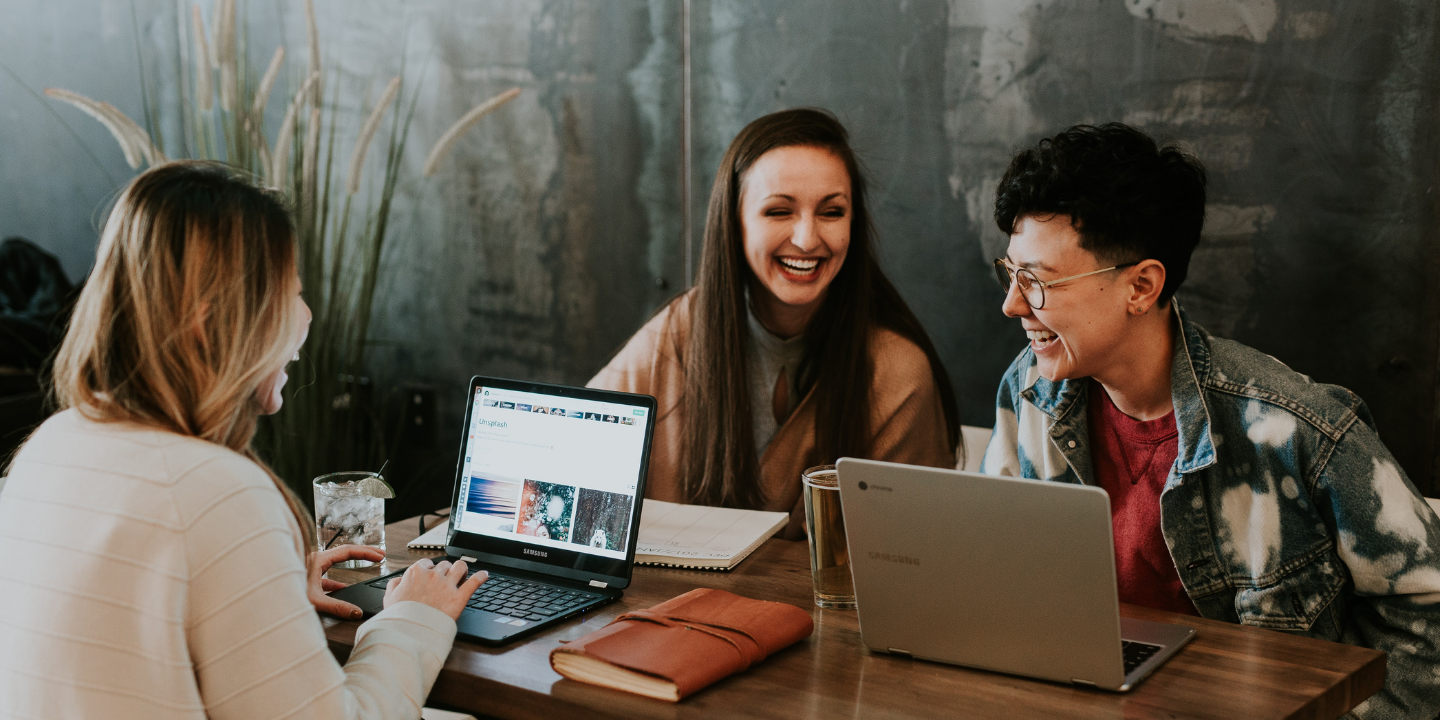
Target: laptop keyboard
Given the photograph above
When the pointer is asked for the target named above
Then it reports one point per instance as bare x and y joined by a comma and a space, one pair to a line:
527, 600
522, 599
1136, 653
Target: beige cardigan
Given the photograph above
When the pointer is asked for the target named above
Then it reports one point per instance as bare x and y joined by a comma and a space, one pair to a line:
906, 419
152, 576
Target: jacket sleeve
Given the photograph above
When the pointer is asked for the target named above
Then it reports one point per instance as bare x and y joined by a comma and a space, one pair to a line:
1002, 454
908, 421
640, 365
1389, 539
629, 371
256, 644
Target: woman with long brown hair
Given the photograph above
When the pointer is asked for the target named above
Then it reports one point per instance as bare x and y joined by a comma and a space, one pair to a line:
155, 567
793, 349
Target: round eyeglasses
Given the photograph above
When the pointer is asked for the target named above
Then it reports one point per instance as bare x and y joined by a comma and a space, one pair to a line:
1033, 288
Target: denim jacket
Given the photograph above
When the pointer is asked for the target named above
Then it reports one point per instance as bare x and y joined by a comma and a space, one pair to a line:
1283, 509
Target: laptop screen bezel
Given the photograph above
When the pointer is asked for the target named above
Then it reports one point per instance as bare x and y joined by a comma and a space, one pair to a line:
572, 564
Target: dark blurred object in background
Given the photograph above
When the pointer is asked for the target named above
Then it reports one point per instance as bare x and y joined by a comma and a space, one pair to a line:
35, 303
422, 467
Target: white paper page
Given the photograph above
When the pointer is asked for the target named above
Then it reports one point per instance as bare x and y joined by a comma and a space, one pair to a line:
432, 537
695, 531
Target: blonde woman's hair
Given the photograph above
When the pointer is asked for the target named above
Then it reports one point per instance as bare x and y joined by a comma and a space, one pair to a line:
187, 311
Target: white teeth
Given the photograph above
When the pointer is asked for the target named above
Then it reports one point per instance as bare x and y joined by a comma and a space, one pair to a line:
800, 266
1042, 336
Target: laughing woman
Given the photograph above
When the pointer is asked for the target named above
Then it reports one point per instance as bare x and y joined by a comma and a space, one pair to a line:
154, 567
793, 349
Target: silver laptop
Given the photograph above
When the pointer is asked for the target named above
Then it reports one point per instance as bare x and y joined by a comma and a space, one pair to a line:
1002, 574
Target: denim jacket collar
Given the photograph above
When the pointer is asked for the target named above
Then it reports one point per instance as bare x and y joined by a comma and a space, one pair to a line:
1189, 369
1188, 373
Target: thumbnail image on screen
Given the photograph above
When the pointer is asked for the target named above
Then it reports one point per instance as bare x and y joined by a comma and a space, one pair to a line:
495, 497
602, 519
546, 509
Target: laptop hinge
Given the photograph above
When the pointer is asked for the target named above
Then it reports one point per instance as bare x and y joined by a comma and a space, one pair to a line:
597, 583
1078, 681
898, 651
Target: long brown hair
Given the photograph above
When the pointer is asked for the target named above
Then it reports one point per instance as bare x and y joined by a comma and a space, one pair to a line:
187, 311
720, 463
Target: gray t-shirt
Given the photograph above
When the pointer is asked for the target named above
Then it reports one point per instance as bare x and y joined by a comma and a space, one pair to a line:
766, 357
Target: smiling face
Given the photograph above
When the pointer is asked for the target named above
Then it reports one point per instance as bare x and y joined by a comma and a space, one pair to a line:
1084, 323
269, 392
795, 215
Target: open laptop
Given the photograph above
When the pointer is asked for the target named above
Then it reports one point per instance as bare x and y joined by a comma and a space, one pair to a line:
1002, 574
546, 499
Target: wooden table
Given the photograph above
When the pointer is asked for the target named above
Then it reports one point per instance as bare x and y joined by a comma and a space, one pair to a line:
1228, 671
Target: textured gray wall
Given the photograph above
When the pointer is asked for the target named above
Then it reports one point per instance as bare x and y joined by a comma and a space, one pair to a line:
557, 226
51, 188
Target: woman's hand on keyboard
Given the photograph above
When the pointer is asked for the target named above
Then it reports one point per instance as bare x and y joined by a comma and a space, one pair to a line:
443, 587
318, 585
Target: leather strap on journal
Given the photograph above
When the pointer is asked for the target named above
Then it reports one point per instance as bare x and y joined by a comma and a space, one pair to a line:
745, 645
697, 638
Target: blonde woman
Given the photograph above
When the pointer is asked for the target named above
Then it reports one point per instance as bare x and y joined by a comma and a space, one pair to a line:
154, 567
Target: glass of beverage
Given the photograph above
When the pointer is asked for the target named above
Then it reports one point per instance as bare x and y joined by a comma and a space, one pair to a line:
825, 526
350, 510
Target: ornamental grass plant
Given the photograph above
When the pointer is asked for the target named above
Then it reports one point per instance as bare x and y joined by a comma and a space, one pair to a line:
330, 420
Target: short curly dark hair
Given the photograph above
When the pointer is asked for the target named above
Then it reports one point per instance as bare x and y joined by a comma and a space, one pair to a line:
1130, 199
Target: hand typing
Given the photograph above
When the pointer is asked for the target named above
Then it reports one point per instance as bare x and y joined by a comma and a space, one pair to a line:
442, 586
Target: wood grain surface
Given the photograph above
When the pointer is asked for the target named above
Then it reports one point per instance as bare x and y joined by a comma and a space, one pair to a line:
1228, 671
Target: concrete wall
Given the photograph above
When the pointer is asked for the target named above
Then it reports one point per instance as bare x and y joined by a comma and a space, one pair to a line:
558, 225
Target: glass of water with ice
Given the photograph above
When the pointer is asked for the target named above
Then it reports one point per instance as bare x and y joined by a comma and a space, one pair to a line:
350, 510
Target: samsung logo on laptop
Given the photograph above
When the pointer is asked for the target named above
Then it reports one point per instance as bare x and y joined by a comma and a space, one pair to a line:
892, 557
541, 553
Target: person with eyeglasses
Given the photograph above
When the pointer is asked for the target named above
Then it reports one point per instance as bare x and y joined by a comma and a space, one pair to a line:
1240, 490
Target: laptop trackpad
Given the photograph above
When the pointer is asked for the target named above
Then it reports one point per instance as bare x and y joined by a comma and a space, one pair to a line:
1155, 633
369, 599
489, 626
478, 623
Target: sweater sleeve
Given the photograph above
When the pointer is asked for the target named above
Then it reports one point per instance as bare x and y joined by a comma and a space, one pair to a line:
908, 420
633, 368
256, 644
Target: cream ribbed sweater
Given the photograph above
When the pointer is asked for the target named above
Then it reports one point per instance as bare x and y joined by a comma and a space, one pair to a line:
148, 575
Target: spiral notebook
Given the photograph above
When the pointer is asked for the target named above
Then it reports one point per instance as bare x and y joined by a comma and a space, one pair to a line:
675, 535
700, 537
433, 539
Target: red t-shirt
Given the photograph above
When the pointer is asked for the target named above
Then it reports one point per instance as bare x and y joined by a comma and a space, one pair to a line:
1131, 459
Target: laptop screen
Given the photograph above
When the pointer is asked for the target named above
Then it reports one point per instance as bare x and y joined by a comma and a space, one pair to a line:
551, 471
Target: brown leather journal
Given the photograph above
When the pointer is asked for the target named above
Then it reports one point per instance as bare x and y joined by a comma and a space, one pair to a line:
683, 644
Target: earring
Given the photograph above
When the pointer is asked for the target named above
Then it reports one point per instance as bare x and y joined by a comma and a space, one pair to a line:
296, 358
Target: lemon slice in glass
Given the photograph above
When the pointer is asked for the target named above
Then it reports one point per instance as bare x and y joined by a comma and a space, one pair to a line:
376, 487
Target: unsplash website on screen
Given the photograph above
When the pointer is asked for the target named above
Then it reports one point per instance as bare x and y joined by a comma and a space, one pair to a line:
551, 471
